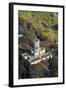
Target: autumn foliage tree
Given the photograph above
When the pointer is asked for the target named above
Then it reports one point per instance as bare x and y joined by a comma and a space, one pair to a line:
23, 18
46, 35
34, 25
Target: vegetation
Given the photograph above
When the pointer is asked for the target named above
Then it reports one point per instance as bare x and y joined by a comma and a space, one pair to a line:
44, 23
53, 67
24, 68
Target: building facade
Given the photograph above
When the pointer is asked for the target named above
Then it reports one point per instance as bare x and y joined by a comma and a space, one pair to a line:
36, 47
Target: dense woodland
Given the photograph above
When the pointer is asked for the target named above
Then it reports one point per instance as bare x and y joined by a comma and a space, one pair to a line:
43, 25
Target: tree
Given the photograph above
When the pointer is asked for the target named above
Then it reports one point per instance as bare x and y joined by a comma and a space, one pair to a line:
46, 34
53, 67
34, 25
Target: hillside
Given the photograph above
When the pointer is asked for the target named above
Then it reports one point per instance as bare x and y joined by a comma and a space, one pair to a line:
41, 24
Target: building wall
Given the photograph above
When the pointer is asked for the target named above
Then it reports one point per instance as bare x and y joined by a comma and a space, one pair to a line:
36, 47
42, 52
